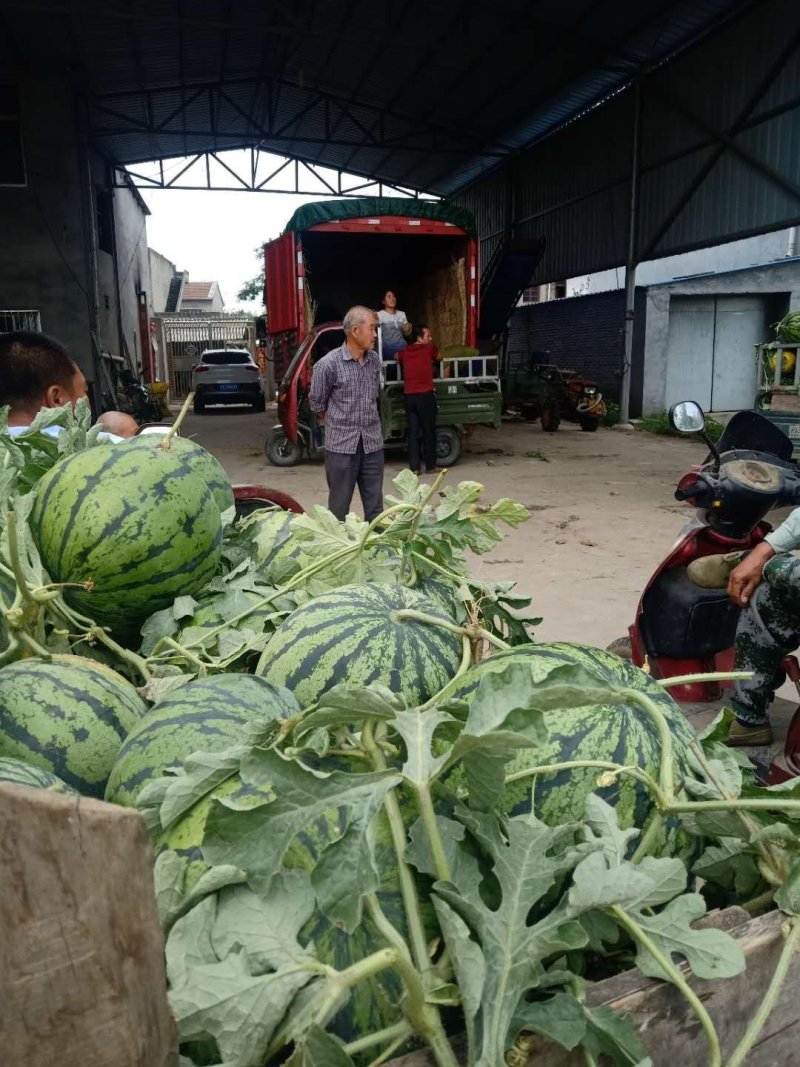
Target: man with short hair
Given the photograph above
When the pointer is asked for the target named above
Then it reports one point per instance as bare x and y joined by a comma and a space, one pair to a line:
345, 387
36, 372
417, 361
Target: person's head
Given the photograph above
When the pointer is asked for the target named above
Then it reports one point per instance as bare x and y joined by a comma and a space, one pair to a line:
117, 422
36, 372
360, 328
389, 301
422, 334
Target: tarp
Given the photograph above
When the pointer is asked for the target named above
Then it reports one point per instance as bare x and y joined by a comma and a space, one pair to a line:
372, 206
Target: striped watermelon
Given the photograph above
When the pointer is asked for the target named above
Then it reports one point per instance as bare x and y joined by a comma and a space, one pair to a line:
17, 772
137, 522
8, 592
620, 733
352, 635
68, 716
197, 459
206, 715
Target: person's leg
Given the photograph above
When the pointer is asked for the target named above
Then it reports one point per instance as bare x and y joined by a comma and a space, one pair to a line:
768, 629
414, 427
370, 483
428, 417
341, 471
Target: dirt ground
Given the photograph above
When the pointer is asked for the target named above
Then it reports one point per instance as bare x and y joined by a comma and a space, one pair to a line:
601, 506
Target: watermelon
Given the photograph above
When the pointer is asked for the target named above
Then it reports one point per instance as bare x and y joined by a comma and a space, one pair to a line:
197, 459
136, 522
206, 715
8, 592
621, 733
352, 635
17, 772
68, 716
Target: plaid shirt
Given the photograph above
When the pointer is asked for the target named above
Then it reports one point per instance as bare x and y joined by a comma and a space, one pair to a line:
347, 391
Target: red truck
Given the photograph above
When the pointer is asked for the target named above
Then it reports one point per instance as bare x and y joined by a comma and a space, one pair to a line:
334, 254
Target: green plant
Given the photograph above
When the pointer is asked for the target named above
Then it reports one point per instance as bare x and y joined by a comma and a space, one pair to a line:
659, 424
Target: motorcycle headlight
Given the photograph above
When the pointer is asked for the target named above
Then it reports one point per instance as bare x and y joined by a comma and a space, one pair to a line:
589, 390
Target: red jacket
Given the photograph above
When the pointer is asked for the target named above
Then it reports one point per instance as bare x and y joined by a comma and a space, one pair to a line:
417, 362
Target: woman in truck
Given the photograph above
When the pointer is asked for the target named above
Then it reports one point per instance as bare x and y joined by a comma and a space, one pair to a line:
394, 326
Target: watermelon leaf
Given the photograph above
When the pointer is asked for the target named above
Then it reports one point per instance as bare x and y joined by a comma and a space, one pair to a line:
347, 705
257, 839
235, 965
240, 1009
318, 1049
561, 1019
528, 860
709, 953
609, 1034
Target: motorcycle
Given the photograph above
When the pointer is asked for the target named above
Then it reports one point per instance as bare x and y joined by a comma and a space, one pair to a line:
133, 397
681, 628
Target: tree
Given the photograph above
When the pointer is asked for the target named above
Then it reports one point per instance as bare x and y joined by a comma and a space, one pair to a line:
253, 289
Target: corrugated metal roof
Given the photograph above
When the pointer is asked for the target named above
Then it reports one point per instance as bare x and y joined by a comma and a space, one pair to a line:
425, 95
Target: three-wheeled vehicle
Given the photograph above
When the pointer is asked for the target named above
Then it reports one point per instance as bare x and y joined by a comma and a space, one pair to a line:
467, 392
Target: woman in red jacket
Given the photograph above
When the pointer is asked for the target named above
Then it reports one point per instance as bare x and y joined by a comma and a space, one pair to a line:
417, 361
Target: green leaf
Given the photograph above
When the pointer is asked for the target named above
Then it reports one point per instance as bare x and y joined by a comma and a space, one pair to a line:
709, 953
561, 1019
729, 865
203, 772
240, 1010
462, 863
527, 862
788, 896
468, 960
257, 839
601, 821
609, 1034
266, 925
723, 776
600, 884
318, 1049
346, 705
417, 728
189, 942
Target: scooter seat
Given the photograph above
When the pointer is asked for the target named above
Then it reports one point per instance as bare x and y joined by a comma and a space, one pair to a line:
680, 620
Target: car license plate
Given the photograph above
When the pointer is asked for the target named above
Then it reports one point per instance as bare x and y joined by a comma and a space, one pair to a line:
229, 386
794, 432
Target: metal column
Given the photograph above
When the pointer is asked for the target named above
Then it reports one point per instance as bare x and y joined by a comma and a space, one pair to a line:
631, 262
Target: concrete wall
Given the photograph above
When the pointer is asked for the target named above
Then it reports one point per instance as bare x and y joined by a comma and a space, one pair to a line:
49, 227
780, 280
584, 333
734, 255
43, 263
162, 271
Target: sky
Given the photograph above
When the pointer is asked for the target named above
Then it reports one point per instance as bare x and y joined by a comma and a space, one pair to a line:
212, 235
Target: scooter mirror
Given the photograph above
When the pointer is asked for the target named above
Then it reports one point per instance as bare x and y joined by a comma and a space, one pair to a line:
687, 417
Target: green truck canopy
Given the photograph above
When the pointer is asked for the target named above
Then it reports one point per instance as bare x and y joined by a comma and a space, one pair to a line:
371, 206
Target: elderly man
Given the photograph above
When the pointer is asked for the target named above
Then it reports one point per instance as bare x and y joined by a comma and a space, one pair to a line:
345, 387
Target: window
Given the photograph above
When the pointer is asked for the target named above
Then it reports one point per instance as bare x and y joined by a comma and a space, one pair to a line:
12, 160
219, 359
11, 321
105, 221
530, 295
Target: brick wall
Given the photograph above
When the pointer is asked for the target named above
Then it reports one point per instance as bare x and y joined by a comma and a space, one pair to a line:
580, 332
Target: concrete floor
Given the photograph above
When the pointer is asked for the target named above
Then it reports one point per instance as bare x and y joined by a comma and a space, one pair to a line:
601, 505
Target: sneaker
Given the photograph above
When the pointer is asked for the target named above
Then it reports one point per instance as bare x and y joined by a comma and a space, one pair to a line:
741, 735
713, 572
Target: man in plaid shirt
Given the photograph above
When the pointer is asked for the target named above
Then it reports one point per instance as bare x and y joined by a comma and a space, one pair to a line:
345, 387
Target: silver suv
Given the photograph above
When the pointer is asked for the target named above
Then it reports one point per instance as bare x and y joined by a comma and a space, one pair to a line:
227, 376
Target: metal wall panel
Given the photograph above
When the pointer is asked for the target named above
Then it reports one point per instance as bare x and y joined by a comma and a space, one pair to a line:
573, 188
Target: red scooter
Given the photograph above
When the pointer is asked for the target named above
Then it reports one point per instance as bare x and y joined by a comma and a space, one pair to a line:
680, 628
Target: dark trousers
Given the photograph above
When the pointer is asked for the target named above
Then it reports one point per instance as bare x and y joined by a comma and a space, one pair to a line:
768, 630
421, 412
344, 472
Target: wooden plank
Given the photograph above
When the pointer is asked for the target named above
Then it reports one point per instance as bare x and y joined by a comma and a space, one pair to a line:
82, 980
668, 1028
